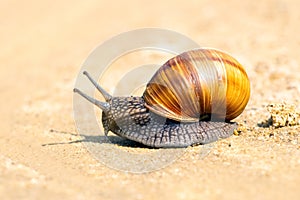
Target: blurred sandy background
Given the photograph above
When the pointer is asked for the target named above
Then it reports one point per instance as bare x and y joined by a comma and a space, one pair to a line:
43, 44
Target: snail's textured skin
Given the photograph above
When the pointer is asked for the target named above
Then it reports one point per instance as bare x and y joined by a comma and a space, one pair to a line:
129, 118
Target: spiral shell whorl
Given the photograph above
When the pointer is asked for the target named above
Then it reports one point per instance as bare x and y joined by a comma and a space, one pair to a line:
198, 83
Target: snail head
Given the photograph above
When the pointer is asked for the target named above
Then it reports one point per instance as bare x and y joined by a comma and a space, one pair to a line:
117, 110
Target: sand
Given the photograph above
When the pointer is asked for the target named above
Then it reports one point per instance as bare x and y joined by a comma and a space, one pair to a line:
44, 44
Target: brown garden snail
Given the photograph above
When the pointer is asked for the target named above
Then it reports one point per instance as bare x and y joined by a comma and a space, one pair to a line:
189, 100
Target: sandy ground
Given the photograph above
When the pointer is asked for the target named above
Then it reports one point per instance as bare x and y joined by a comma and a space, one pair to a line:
43, 45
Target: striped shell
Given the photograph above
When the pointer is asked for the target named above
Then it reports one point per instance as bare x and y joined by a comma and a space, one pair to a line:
199, 83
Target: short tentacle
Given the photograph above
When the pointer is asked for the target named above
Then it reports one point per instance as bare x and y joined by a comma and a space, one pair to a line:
103, 105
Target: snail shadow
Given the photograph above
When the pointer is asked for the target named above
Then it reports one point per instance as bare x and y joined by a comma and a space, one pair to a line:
99, 139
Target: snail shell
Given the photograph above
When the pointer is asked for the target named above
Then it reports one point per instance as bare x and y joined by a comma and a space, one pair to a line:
197, 84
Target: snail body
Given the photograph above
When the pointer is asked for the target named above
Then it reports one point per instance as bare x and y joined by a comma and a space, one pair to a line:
189, 100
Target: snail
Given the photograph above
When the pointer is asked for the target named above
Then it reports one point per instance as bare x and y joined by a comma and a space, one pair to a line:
190, 100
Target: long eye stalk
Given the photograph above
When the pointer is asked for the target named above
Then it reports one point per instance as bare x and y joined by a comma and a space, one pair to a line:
105, 94
105, 106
